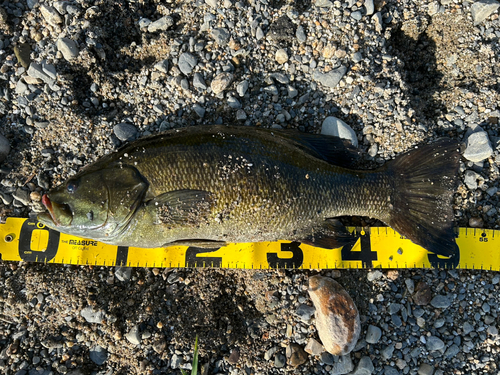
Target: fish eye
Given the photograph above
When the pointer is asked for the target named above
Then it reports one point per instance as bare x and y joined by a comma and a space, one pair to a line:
71, 186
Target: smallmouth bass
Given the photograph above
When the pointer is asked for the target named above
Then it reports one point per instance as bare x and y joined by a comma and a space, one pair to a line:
209, 185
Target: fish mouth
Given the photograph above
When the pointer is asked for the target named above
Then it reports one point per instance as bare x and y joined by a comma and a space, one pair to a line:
59, 213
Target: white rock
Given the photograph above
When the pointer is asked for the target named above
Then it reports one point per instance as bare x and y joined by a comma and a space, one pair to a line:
160, 25
21, 87
370, 7
313, 347
133, 336
338, 128
92, 316
281, 56
478, 147
482, 9
50, 15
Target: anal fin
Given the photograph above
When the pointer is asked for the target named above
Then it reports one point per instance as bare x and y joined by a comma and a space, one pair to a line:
331, 235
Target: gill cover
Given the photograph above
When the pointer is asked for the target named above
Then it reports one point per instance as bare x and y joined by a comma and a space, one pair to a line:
96, 203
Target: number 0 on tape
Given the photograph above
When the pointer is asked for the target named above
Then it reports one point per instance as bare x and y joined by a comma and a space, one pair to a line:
379, 247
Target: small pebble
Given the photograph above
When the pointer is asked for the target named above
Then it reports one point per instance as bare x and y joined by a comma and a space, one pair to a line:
161, 24
221, 82
68, 48
242, 88
50, 15
125, 132
133, 336
281, 56
98, 355
186, 63
373, 334
330, 79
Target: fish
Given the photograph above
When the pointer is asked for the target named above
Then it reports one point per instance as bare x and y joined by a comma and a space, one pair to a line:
212, 185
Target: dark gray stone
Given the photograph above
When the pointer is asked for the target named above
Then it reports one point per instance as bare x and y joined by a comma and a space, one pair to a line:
125, 131
98, 355
373, 334
199, 81
330, 79
441, 302
305, 313
434, 343
186, 63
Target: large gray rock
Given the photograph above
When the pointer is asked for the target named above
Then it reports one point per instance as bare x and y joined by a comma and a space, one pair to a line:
160, 25
478, 147
338, 128
482, 9
330, 79
92, 316
186, 63
68, 48
125, 131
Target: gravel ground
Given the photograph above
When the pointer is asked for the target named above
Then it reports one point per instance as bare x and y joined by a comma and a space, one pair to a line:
79, 78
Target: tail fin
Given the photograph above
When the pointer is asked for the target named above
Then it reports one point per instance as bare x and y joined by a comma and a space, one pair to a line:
424, 181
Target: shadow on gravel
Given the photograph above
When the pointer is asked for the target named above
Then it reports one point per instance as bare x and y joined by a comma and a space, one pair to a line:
111, 44
421, 74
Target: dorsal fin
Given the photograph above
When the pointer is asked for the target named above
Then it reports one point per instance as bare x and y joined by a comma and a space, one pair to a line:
334, 150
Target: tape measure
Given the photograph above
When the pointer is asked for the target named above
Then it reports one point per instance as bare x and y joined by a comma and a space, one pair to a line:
376, 247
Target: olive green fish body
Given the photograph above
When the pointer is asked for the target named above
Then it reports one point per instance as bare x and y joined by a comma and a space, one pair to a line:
238, 184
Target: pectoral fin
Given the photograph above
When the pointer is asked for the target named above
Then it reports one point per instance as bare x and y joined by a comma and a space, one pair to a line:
331, 235
183, 207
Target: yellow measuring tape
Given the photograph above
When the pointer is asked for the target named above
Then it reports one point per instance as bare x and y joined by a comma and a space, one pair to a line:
378, 247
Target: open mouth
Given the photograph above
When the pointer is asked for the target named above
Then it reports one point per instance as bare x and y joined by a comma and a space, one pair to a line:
59, 213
